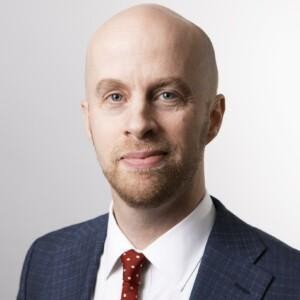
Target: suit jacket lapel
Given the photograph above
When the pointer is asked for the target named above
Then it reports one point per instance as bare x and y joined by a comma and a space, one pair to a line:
228, 268
89, 258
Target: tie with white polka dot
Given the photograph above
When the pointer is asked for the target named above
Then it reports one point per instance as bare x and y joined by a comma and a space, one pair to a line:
133, 263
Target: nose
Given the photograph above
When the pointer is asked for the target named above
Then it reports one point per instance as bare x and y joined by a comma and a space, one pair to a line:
141, 122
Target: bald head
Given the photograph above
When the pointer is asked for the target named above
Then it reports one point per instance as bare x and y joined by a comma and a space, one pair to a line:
150, 77
151, 32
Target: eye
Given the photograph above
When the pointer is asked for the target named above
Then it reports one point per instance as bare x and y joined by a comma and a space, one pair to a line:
168, 96
115, 97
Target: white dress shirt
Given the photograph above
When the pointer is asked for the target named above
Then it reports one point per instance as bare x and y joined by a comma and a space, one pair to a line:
174, 257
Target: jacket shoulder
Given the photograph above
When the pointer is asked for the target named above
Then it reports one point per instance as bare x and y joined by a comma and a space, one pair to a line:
257, 250
264, 249
281, 258
68, 236
75, 245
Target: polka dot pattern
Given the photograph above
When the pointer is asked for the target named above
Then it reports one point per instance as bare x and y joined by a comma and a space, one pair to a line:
133, 264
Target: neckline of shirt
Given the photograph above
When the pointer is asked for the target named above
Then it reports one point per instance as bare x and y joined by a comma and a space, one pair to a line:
176, 253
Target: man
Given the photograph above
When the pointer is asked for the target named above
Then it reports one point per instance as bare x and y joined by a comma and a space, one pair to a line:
151, 108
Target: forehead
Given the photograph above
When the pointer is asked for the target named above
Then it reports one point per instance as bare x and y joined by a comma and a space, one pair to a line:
123, 55
137, 55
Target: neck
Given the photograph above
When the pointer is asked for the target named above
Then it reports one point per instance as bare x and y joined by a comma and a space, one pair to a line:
144, 225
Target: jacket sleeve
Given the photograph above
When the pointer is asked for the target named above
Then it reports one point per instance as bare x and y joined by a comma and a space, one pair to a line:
24, 275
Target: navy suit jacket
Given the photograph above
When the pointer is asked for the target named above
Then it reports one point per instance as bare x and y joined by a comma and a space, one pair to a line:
240, 262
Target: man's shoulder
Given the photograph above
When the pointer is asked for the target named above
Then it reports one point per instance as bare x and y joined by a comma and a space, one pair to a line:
280, 257
59, 260
71, 235
276, 256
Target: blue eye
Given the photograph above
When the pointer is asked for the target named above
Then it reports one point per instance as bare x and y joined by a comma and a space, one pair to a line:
115, 97
169, 95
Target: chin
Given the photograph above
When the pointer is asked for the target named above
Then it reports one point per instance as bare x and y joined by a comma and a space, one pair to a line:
144, 193
151, 188
142, 189
142, 200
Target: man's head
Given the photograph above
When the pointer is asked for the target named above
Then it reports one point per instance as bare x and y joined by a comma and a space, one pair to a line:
151, 103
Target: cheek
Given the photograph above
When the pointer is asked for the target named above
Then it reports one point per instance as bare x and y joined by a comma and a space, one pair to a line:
180, 133
186, 132
183, 127
105, 134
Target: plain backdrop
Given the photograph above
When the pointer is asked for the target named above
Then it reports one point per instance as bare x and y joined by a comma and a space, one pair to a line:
49, 174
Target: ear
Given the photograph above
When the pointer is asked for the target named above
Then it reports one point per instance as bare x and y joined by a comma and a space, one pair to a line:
216, 112
85, 110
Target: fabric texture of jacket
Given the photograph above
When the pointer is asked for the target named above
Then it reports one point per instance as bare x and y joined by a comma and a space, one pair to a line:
239, 262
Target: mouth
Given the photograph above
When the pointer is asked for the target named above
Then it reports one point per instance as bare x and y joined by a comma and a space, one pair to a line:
144, 159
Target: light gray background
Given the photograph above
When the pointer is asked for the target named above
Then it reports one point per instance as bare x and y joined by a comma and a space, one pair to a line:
49, 174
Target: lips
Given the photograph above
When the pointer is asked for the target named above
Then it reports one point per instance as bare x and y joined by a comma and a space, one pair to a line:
143, 159
143, 154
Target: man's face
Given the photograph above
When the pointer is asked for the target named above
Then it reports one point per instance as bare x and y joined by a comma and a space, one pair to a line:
146, 117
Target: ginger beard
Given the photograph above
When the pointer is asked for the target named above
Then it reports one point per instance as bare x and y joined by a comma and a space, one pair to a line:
152, 187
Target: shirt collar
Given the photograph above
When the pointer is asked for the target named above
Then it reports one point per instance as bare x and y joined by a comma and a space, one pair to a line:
183, 244
116, 243
176, 253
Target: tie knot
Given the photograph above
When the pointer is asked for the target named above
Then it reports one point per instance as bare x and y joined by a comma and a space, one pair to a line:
133, 263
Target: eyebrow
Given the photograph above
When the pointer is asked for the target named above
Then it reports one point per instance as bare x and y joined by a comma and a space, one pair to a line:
158, 84
172, 81
108, 83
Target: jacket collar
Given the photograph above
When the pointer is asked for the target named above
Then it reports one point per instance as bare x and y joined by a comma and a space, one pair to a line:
228, 267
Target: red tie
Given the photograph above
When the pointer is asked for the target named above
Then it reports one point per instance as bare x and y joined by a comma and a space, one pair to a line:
133, 263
